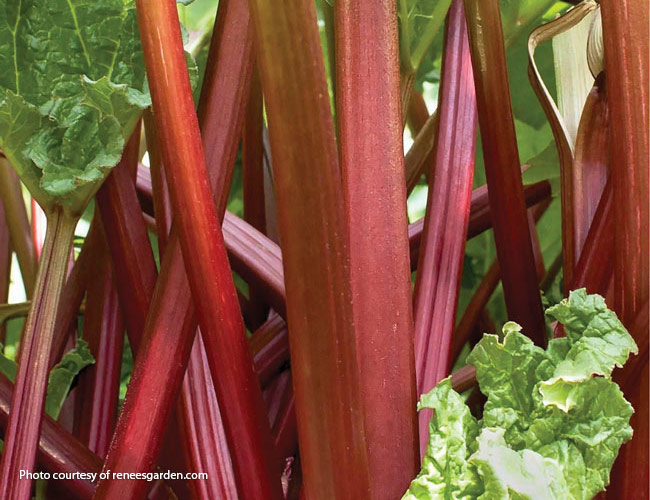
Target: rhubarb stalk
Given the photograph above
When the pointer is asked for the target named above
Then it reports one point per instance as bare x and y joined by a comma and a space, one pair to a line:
99, 384
253, 179
372, 167
447, 215
625, 36
514, 248
199, 227
16, 215
5, 265
311, 219
27, 402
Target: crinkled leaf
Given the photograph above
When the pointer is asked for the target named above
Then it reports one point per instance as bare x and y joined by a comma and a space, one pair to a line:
599, 342
71, 91
63, 374
452, 430
509, 474
506, 371
553, 422
507, 374
586, 439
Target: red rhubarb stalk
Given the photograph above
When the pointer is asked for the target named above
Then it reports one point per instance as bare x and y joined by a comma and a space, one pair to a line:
209, 277
99, 384
201, 426
197, 410
58, 450
28, 399
447, 215
625, 36
312, 224
253, 180
135, 270
372, 168
514, 248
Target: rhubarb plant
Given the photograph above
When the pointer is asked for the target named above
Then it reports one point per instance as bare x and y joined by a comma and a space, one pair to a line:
553, 421
275, 205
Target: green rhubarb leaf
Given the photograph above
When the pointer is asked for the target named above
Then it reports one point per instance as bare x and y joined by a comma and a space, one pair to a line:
507, 375
553, 422
520, 475
63, 374
506, 372
71, 91
452, 431
598, 343
595, 428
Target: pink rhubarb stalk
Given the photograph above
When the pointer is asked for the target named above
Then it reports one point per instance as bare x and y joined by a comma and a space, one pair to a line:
447, 215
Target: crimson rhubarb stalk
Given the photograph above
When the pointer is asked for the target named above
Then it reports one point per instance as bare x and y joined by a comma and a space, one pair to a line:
625, 30
514, 248
135, 270
201, 425
625, 36
372, 168
99, 384
447, 215
209, 278
253, 179
27, 402
311, 219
